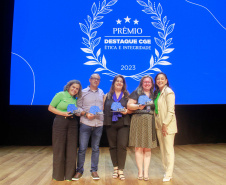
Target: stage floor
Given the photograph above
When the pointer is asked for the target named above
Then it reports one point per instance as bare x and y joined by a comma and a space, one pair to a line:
194, 164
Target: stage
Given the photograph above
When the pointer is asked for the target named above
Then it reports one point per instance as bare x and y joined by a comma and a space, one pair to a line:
194, 164
200, 107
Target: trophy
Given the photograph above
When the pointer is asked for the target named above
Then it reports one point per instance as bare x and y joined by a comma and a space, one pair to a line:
144, 100
117, 107
95, 110
72, 109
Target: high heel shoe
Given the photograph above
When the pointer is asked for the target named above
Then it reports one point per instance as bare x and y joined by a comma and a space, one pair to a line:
121, 175
146, 178
115, 173
166, 179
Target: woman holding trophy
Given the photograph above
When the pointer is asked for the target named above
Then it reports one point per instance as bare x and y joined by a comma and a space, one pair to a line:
65, 131
142, 130
117, 121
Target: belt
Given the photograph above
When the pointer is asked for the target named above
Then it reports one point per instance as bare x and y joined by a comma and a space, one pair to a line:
144, 112
70, 117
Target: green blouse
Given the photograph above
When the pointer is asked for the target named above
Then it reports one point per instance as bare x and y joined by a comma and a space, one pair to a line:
62, 99
156, 103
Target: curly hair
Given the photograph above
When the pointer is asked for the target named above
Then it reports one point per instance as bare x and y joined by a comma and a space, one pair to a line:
124, 87
70, 83
140, 87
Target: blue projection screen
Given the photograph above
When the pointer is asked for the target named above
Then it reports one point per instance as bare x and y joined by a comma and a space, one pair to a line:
57, 41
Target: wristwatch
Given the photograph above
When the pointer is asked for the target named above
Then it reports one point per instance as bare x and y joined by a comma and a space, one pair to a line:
85, 114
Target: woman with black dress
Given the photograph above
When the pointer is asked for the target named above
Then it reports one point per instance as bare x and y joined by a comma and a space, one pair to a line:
117, 124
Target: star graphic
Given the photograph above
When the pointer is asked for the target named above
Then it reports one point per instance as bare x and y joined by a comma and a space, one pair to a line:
118, 21
127, 19
135, 21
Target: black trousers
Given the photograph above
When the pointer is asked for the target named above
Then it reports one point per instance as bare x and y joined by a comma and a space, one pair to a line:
64, 141
118, 136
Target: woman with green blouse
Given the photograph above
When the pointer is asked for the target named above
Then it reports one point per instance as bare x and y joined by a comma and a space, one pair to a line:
165, 122
65, 132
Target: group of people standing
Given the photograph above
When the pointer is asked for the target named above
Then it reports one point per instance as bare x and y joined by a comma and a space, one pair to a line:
137, 125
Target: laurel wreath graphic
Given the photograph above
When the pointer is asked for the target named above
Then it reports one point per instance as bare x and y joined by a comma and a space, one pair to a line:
91, 43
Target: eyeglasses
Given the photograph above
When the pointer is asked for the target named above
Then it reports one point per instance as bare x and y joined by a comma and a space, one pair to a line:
146, 82
97, 79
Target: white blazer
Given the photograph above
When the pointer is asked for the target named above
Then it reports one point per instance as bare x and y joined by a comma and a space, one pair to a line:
166, 111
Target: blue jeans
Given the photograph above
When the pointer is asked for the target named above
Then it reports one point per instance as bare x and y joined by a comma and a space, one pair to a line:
85, 133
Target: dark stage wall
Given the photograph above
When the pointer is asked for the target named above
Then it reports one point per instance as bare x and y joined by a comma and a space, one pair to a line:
31, 125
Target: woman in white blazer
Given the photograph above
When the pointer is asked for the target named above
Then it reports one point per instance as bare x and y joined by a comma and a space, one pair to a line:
165, 122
